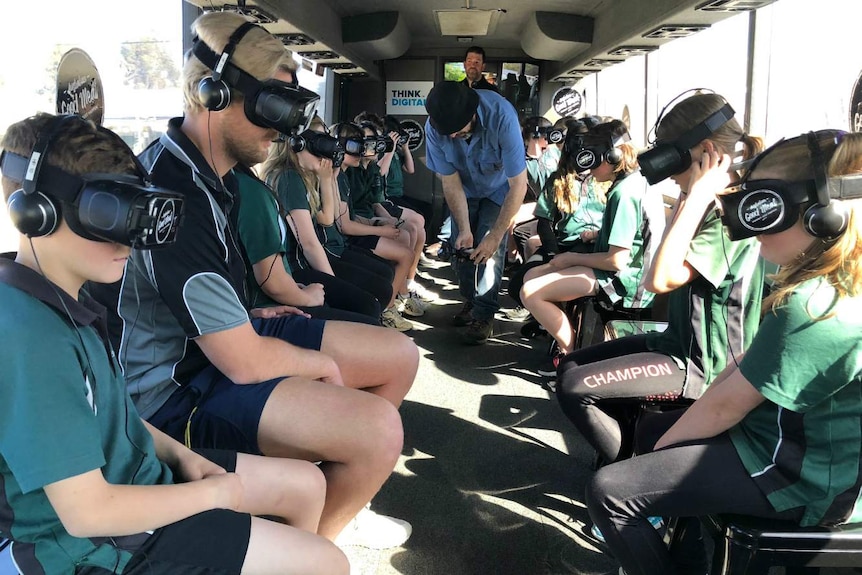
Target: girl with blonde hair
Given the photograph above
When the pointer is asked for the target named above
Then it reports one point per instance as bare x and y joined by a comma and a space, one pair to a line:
777, 433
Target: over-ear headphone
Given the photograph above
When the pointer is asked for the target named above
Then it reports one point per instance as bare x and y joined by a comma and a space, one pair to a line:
213, 91
121, 208
825, 218
613, 155
34, 213
297, 143
667, 158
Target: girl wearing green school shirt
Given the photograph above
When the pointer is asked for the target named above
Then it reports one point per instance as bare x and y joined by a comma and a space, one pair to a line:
777, 434
632, 222
713, 286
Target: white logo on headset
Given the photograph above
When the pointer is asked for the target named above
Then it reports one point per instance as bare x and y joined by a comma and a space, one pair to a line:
761, 210
165, 222
585, 159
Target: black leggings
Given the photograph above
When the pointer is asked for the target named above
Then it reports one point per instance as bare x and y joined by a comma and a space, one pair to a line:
687, 480
341, 294
597, 387
354, 271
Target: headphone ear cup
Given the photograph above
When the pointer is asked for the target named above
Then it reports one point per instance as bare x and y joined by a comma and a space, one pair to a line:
214, 94
828, 221
614, 156
297, 144
35, 215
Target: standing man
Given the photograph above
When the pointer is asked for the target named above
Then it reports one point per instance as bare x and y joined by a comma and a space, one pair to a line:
474, 65
474, 143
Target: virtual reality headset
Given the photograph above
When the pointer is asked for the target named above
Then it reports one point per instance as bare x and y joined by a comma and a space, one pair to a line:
770, 206
125, 209
286, 108
668, 158
379, 145
320, 144
552, 135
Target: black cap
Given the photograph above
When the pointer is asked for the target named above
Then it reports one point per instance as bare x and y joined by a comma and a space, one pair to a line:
451, 106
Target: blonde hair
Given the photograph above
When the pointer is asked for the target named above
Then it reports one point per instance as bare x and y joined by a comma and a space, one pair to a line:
695, 109
78, 147
258, 53
838, 261
282, 157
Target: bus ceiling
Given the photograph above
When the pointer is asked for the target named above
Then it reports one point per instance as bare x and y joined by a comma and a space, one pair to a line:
577, 37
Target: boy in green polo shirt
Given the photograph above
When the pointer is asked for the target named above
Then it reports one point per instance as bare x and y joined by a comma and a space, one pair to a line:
87, 486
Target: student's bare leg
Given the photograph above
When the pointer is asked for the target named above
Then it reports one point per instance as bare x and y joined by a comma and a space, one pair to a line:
415, 224
357, 435
541, 295
402, 256
532, 246
278, 549
375, 359
291, 489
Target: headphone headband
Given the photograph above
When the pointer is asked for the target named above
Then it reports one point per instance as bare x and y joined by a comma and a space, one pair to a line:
43, 143
819, 165
227, 53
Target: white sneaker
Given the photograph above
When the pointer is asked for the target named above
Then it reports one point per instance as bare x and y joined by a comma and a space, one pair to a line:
412, 306
418, 290
391, 318
374, 531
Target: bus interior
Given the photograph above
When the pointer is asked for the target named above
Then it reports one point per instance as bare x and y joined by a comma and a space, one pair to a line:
492, 474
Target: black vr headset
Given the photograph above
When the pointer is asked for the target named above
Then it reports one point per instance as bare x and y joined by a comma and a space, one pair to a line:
757, 207
552, 135
120, 208
591, 150
286, 108
666, 159
320, 144
382, 144
393, 125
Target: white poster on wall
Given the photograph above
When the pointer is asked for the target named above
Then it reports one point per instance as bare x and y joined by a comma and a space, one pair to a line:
407, 98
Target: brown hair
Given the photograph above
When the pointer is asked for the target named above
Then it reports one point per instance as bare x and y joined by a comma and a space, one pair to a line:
78, 147
695, 109
282, 157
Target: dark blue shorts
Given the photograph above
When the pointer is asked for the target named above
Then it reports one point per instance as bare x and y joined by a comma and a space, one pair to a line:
211, 411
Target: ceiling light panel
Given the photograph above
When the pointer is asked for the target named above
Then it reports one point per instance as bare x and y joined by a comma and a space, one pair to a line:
320, 55
629, 51
465, 22
295, 39
671, 31
733, 5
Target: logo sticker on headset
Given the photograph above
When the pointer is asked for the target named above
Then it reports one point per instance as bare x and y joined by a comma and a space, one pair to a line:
585, 158
165, 222
761, 210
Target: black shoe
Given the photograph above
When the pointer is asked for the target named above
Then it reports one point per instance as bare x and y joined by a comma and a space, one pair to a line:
464, 316
532, 329
478, 331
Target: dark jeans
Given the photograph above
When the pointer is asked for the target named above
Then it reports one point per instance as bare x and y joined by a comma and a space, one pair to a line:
480, 285
596, 385
687, 481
